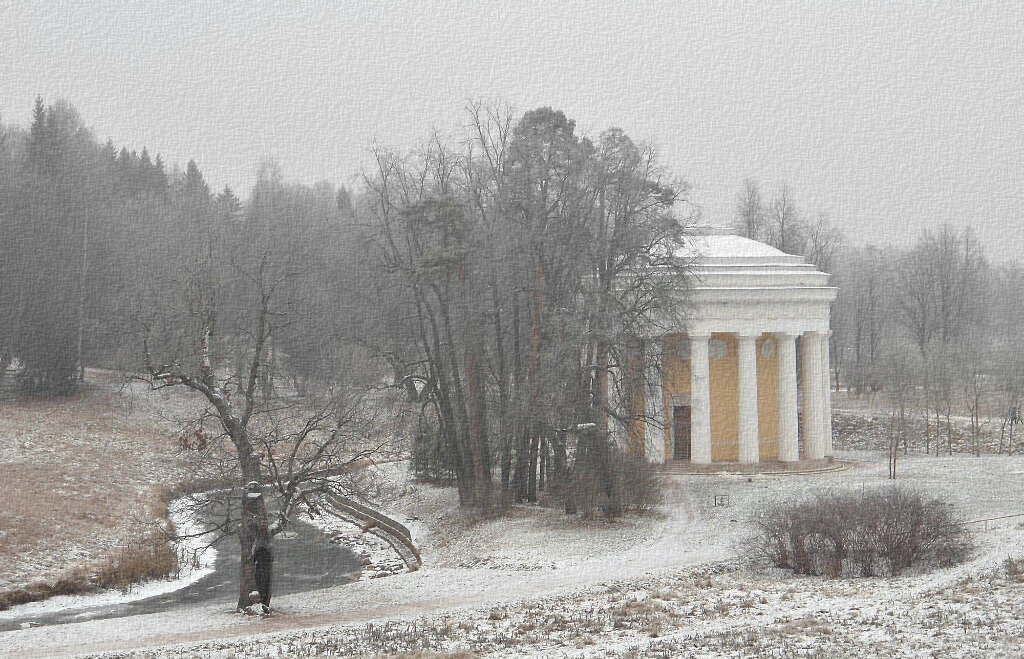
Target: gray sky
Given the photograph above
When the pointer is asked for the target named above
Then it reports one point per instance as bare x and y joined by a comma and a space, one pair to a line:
887, 117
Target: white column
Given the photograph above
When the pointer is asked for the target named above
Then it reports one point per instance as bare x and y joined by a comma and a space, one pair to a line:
810, 355
788, 446
700, 400
826, 395
655, 407
749, 441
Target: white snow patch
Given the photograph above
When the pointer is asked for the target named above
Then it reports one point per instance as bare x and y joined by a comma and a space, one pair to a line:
539, 568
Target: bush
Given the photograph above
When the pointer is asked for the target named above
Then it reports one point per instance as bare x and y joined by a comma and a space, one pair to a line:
55, 375
881, 532
432, 458
148, 558
606, 479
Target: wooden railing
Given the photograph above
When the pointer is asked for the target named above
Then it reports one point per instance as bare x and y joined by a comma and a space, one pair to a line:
390, 530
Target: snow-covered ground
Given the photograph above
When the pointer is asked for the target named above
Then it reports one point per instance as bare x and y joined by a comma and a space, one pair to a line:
195, 560
83, 475
669, 584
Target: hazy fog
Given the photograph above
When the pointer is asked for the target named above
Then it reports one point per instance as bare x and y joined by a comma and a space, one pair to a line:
883, 116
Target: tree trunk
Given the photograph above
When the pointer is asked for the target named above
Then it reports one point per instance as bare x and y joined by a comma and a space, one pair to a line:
246, 573
949, 432
520, 476
893, 446
600, 393
254, 527
83, 273
565, 480
927, 433
531, 493
542, 478
477, 403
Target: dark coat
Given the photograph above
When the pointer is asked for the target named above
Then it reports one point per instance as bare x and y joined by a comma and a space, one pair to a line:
263, 564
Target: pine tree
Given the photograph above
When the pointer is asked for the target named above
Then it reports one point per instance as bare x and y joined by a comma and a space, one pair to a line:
158, 177
195, 186
37, 144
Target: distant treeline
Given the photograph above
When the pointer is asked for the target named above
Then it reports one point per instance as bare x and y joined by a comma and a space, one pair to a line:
96, 239
934, 326
512, 278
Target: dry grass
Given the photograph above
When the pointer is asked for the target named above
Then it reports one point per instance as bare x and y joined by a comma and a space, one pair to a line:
83, 479
1014, 569
428, 655
150, 557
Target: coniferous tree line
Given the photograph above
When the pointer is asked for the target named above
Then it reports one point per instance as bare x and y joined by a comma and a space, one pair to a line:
97, 238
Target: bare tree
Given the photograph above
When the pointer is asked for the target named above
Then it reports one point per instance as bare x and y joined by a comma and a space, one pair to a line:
942, 282
296, 446
943, 367
1006, 307
975, 371
528, 259
864, 315
901, 370
823, 242
784, 229
750, 215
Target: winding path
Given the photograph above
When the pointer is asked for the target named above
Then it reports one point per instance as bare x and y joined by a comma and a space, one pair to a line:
304, 561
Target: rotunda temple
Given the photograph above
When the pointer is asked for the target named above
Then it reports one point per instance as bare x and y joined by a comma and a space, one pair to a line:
748, 380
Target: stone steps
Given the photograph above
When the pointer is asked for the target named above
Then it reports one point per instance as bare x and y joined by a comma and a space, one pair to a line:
762, 468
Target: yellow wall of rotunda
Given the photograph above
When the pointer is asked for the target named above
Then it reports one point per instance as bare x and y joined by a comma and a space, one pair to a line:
768, 397
723, 366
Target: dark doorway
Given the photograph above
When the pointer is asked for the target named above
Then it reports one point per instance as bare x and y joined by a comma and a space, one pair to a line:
681, 430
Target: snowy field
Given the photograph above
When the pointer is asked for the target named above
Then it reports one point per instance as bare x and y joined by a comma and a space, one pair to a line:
669, 584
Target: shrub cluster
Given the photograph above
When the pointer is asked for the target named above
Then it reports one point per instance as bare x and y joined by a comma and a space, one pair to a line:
607, 480
432, 458
881, 532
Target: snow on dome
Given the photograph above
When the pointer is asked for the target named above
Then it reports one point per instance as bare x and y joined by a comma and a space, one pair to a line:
720, 243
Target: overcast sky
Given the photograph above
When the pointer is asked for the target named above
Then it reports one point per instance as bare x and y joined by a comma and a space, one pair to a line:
887, 117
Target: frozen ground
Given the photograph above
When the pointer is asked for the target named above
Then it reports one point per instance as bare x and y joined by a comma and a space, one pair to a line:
196, 560
82, 475
670, 584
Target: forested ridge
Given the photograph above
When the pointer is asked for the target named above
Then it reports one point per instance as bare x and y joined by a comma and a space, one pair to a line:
97, 237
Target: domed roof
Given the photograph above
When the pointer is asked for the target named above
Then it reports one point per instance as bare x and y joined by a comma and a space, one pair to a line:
720, 245
742, 285
721, 260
